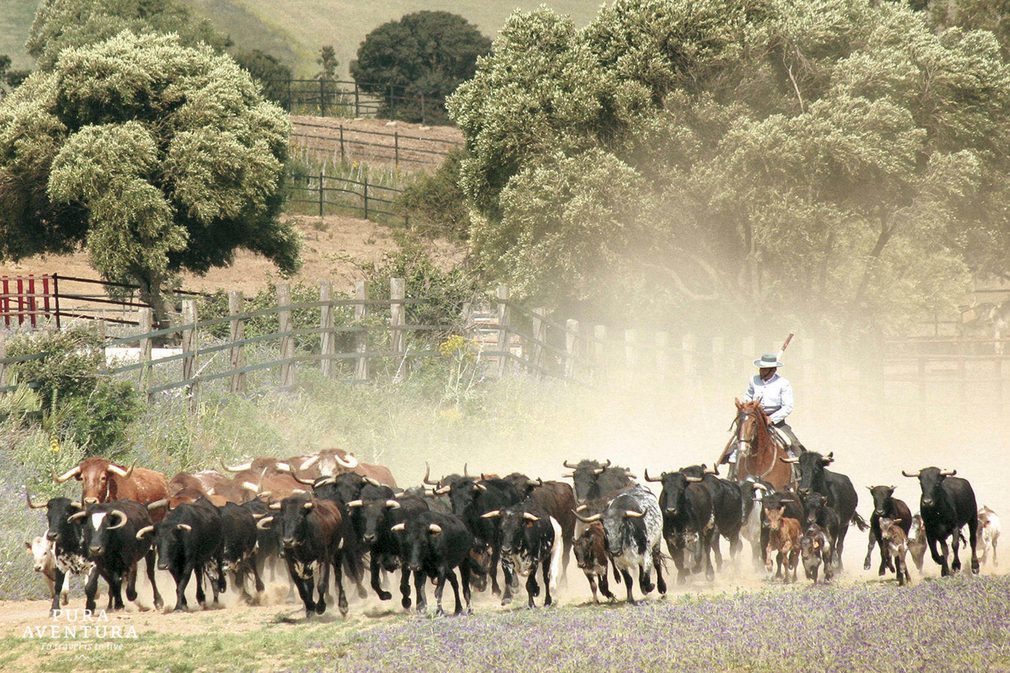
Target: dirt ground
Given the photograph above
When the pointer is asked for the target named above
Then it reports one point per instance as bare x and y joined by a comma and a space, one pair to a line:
333, 248
375, 141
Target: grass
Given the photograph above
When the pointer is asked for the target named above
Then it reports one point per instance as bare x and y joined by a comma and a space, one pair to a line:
956, 624
15, 22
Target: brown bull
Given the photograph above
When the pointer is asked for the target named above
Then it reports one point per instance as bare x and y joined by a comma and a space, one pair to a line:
275, 486
591, 555
185, 496
104, 481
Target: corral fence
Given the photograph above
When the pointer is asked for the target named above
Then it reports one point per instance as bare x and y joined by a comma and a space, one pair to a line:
31, 300
340, 143
348, 98
323, 194
361, 337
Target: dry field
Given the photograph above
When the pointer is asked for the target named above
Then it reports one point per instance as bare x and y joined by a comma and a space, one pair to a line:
374, 141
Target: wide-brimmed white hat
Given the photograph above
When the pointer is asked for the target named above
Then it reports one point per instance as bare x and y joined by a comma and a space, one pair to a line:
768, 360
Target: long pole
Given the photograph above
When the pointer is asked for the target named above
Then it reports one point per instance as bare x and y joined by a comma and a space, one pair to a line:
785, 345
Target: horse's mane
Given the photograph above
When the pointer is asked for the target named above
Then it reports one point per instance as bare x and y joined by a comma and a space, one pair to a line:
754, 406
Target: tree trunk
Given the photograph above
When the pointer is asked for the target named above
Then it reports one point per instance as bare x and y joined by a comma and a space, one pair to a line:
886, 232
150, 293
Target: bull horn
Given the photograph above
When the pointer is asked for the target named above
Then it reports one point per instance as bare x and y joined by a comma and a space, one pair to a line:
399, 528
325, 480
118, 471
830, 457
354, 503
569, 466
483, 477
348, 464
599, 470
913, 475
392, 504
157, 503
300, 480
587, 519
121, 516
309, 505
184, 526
581, 508
607, 464
630, 513
465, 472
540, 482
249, 486
948, 473
648, 478
262, 495
570, 475
693, 480
264, 523
427, 476
274, 506
237, 468
75, 517
529, 516
434, 528
72, 472
760, 487
309, 462
493, 514
788, 459
442, 490
373, 482
480, 487
144, 531
31, 505
282, 466
711, 470
76, 505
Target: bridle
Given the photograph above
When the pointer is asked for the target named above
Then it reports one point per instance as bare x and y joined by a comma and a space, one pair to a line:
745, 446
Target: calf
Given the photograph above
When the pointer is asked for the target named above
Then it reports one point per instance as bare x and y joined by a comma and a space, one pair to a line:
826, 518
988, 521
686, 505
309, 530
783, 540
947, 504
815, 550
885, 505
110, 537
531, 537
434, 545
41, 551
633, 528
893, 535
591, 557
917, 542
189, 540
777, 500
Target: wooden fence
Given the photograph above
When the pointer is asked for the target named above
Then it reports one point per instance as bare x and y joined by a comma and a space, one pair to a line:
324, 194
359, 337
348, 98
340, 143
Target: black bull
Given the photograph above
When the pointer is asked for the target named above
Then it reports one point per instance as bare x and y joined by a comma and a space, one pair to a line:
837, 488
947, 504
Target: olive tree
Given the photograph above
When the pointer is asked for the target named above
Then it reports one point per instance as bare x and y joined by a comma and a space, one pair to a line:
152, 156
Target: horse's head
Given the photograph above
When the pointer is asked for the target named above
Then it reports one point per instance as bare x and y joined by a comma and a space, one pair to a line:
751, 424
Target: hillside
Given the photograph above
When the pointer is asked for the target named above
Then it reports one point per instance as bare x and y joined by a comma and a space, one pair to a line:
344, 23
294, 30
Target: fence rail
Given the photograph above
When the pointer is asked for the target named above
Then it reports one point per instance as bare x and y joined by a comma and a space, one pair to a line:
343, 143
348, 98
326, 193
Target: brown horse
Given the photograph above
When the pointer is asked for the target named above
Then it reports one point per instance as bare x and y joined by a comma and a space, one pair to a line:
757, 448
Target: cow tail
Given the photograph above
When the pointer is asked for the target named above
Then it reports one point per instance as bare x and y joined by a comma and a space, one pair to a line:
860, 521
555, 556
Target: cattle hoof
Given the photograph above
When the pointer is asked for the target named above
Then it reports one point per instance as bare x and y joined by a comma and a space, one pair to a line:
882, 572
710, 575
506, 600
383, 595
158, 603
363, 593
866, 564
179, 608
131, 595
632, 601
974, 567
320, 608
439, 612
405, 603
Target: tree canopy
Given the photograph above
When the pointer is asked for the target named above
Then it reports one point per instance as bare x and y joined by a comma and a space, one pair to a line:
268, 71
834, 160
60, 24
153, 156
425, 52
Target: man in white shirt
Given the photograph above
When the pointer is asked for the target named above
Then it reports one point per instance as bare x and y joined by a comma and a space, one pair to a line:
775, 394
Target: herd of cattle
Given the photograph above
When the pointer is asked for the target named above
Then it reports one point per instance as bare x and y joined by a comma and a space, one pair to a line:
328, 512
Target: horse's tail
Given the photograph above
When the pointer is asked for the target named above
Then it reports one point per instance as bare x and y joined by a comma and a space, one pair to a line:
859, 521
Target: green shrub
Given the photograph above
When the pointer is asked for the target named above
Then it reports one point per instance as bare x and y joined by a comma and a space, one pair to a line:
436, 203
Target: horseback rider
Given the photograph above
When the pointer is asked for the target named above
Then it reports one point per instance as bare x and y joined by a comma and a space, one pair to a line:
775, 395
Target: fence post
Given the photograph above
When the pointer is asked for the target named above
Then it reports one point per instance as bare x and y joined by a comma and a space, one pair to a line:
504, 312
366, 195
189, 347
320, 193
662, 355
536, 354
599, 350
630, 350
361, 337
571, 344
343, 156
284, 326
396, 149
3, 354
322, 97
327, 345
397, 293
146, 321
236, 332
356, 112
